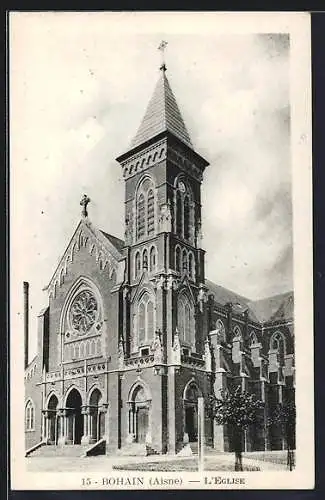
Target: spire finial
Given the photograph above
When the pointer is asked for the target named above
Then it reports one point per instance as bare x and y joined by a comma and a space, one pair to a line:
84, 202
162, 47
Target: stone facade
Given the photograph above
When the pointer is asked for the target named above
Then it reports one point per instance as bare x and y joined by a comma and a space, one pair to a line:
134, 333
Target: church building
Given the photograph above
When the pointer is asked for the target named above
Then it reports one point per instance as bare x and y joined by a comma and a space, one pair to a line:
134, 332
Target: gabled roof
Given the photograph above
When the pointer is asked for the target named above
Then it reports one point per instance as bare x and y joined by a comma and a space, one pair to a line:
223, 296
274, 308
117, 242
108, 243
162, 115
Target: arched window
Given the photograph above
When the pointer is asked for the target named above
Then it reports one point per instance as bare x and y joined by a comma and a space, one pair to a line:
184, 210
29, 415
277, 343
151, 213
141, 216
186, 218
152, 267
137, 264
142, 323
82, 350
178, 259
191, 266
146, 319
253, 338
179, 215
185, 320
184, 261
145, 206
145, 259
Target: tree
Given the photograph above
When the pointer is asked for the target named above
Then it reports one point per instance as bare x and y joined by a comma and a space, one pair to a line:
238, 409
284, 416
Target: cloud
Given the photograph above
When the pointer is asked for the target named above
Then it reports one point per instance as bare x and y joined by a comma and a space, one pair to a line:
78, 101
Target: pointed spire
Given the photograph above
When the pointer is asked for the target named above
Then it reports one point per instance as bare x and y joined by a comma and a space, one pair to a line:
162, 114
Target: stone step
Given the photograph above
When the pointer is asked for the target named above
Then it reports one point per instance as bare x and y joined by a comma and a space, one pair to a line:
133, 449
208, 450
73, 450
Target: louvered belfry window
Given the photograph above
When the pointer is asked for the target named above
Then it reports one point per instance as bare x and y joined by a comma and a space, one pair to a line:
141, 217
145, 209
179, 218
186, 218
151, 212
184, 210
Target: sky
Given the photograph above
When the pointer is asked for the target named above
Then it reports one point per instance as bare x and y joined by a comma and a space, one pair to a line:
79, 87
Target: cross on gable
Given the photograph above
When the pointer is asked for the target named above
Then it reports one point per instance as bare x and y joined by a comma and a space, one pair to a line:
84, 202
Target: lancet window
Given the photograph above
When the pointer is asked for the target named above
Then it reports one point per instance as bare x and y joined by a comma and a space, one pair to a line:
145, 209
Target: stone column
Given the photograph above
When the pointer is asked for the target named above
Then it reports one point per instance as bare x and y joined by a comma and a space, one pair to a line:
62, 415
86, 432
149, 432
106, 422
44, 434
130, 424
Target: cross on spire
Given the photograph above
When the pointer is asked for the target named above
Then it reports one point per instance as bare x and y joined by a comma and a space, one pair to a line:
84, 202
162, 47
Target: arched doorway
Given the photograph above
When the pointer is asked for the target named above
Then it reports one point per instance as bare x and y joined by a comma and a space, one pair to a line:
139, 415
52, 429
97, 417
74, 424
191, 395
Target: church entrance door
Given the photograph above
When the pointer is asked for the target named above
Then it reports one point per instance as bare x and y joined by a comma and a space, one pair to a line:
52, 420
190, 402
97, 421
191, 423
74, 417
142, 424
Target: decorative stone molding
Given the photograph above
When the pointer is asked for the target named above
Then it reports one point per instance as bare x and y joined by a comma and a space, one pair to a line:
143, 160
126, 293
87, 236
176, 350
165, 219
121, 362
184, 164
160, 283
157, 349
202, 297
172, 283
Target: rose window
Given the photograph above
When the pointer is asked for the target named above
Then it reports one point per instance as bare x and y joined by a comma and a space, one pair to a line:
84, 312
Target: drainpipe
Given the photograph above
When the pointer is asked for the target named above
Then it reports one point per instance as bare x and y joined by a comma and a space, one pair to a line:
26, 321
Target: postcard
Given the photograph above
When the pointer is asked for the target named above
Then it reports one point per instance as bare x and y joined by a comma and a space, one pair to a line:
161, 301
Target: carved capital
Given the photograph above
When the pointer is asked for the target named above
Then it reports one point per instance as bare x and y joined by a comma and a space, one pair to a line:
161, 282
126, 293
172, 283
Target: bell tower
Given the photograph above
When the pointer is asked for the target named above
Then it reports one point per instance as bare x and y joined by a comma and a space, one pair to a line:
163, 175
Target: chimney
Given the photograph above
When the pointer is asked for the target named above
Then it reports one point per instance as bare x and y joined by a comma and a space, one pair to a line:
26, 322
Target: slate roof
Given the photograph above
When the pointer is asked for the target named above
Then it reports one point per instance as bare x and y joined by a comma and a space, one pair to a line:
162, 115
117, 242
275, 308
